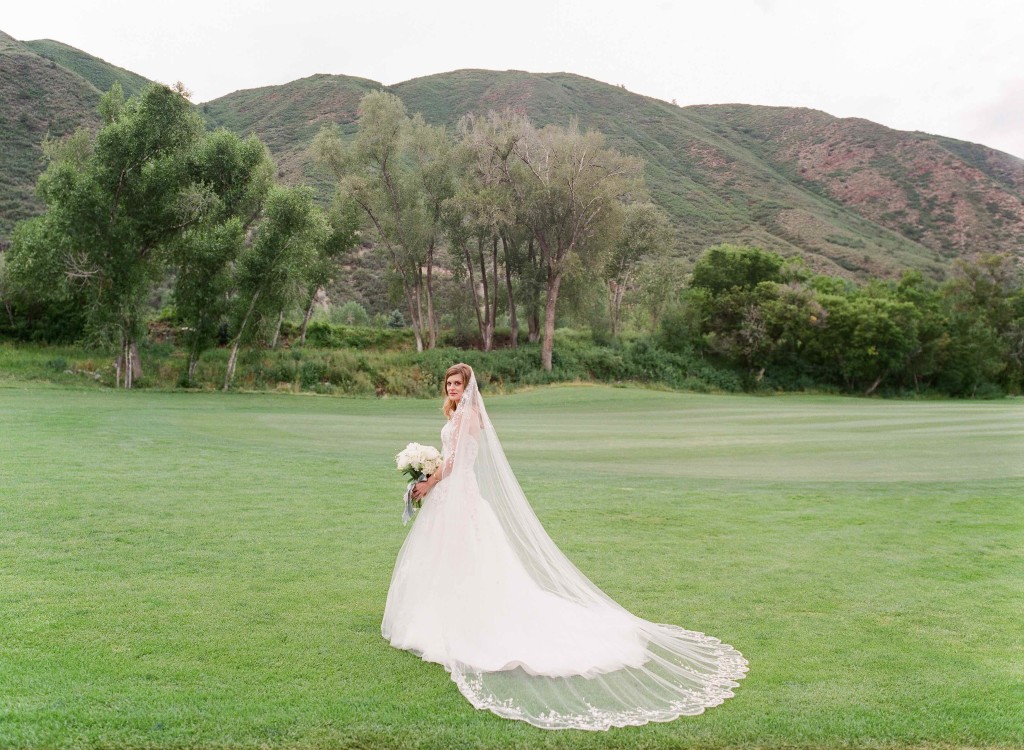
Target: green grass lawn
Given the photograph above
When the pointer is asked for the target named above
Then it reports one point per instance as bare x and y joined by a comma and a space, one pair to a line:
207, 570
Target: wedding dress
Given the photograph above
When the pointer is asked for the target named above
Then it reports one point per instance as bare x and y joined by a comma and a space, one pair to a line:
480, 588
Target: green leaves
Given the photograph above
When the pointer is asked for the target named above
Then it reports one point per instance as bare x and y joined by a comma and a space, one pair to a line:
750, 309
115, 203
271, 272
398, 171
726, 266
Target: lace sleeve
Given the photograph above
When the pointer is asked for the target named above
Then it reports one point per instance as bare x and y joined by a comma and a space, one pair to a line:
466, 422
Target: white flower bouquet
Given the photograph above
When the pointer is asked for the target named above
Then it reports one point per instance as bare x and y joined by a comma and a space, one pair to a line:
417, 462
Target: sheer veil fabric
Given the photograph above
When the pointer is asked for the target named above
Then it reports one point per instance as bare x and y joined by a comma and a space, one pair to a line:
480, 588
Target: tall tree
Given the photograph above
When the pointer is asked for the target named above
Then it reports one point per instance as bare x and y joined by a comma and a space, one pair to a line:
271, 272
490, 205
343, 222
117, 201
569, 189
474, 223
40, 302
5, 290
240, 174
644, 235
572, 188
397, 170
434, 183
983, 296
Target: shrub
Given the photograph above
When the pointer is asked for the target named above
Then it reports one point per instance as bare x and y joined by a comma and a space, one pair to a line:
350, 314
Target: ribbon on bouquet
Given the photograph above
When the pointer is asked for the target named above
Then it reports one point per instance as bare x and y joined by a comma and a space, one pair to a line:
410, 510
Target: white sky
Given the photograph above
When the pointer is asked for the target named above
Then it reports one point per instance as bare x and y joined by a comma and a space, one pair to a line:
950, 68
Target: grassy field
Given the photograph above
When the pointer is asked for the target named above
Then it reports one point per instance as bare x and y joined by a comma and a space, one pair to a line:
204, 570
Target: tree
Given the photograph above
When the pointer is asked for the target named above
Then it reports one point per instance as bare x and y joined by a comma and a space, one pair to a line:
924, 363
474, 221
271, 271
39, 301
982, 297
723, 267
116, 202
397, 170
658, 285
571, 188
487, 160
5, 291
343, 221
644, 235
865, 338
240, 174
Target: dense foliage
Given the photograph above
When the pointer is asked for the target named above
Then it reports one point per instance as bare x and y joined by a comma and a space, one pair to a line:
158, 229
782, 326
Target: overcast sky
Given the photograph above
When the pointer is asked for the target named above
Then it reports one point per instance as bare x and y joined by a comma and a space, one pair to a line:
950, 68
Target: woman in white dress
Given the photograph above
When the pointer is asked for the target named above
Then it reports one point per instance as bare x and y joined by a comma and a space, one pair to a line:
480, 588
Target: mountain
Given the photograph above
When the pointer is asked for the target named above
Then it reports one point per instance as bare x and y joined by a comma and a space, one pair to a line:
99, 73
851, 196
287, 118
40, 96
948, 195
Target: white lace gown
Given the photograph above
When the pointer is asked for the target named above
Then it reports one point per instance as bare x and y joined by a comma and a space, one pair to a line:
461, 596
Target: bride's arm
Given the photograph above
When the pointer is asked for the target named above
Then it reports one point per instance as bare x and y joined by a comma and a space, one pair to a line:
473, 427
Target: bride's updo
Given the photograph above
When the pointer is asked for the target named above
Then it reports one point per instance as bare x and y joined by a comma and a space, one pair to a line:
466, 372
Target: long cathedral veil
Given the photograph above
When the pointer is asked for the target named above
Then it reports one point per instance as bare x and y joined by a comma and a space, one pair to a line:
682, 672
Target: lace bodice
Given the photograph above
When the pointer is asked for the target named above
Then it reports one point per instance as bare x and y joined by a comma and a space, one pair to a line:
446, 439
449, 438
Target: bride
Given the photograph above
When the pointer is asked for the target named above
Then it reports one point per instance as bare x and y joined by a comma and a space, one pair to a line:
480, 588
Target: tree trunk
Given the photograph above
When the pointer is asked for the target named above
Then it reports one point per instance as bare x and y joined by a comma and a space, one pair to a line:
229, 374
473, 290
412, 318
488, 329
512, 322
874, 385
411, 297
533, 298
418, 296
612, 286
493, 316
128, 366
193, 362
431, 318
533, 325
617, 290
308, 315
548, 345
232, 360
277, 330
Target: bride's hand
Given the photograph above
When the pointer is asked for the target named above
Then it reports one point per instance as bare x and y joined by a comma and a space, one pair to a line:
420, 490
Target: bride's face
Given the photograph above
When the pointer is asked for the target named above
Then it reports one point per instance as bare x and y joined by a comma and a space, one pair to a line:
454, 387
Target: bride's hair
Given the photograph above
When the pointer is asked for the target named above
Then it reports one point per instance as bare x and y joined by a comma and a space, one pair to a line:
457, 369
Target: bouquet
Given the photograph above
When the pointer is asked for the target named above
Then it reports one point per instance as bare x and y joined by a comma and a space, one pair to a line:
417, 462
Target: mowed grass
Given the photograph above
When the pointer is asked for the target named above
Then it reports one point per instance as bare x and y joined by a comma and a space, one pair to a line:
207, 570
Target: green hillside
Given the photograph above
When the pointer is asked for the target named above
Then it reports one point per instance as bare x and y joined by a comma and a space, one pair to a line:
288, 117
39, 98
722, 173
99, 73
951, 196
715, 189
851, 196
